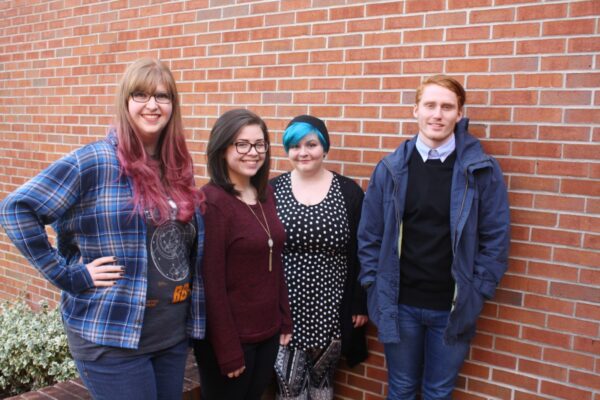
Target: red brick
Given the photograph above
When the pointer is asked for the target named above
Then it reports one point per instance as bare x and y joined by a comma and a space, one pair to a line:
587, 345
543, 369
577, 80
541, 46
401, 52
365, 25
533, 114
326, 56
365, 384
487, 388
582, 151
591, 241
569, 358
566, 392
488, 82
580, 186
514, 64
493, 358
389, 8
566, 97
564, 133
423, 35
422, 67
582, 116
575, 292
524, 284
520, 200
381, 68
584, 379
557, 63
539, 80
569, 27
563, 168
584, 45
490, 49
446, 19
424, 6
546, 336
513, 379
553, 271
522, 97
547, 11
516, 30
404, 22
552, 150
572, 325
492, 15
528, 396
445, 51
527, 317
518, 347
329, 28
584, 8
580, 222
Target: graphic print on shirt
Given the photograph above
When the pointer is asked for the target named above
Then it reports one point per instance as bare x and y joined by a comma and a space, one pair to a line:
168, 250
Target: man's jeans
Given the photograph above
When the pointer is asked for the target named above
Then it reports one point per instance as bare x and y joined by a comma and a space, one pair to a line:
421, 360
157, 375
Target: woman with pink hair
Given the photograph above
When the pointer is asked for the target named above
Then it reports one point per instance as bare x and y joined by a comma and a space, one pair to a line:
129, 242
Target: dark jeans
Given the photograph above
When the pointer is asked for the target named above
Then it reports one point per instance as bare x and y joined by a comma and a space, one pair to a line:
157, 375
259, 359
422, 360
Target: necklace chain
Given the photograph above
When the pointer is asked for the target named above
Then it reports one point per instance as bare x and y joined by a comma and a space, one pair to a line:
267, 230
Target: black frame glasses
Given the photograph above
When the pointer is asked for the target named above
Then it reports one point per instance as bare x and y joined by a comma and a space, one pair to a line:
246, 147
159, 97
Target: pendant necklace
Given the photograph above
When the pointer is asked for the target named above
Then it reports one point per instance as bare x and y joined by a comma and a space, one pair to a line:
267, 230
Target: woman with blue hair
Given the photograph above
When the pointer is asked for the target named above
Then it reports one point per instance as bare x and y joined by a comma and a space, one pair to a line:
320, 211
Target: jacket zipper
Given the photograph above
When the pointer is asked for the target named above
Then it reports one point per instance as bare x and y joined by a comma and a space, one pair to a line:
462, 207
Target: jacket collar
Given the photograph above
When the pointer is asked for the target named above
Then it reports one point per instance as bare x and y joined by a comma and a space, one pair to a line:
469, 152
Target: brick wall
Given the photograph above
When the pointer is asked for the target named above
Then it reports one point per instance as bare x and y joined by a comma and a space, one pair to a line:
531, 72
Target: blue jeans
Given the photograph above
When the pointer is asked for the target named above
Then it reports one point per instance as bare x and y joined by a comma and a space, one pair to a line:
421, 360
152, 376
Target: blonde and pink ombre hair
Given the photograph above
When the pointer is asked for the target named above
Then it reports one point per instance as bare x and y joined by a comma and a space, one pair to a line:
170, 175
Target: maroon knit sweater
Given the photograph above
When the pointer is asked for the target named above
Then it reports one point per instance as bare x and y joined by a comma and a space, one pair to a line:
245, 302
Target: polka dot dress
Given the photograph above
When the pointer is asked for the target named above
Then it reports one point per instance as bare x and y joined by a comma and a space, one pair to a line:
315, 262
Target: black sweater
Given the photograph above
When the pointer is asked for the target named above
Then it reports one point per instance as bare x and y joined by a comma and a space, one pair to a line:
425, 278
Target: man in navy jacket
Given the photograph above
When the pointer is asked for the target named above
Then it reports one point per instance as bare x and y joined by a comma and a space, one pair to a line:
433, 244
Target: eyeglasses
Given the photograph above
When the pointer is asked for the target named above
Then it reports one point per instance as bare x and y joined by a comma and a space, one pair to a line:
159, 97
245, 147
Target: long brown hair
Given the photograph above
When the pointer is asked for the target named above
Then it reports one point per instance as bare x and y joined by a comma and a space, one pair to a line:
222, 135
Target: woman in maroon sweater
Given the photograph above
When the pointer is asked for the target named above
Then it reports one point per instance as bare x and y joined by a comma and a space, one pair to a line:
248, 314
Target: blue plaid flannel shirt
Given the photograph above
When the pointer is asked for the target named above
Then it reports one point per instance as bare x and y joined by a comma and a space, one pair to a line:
88, 202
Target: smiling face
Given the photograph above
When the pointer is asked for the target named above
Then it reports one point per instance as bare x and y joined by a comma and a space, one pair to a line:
307, 155
242, 167
150, 118
437, 113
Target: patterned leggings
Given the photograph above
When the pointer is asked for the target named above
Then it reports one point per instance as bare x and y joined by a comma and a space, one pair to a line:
306, 374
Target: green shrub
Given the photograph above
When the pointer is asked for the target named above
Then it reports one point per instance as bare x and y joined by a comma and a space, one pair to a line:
33, 348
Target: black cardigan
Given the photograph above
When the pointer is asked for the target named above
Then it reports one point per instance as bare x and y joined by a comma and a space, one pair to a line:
354, 300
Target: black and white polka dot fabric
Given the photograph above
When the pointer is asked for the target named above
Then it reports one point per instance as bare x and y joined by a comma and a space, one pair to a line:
315, 263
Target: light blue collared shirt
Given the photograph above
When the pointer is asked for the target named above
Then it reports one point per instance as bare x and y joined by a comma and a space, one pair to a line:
442, 152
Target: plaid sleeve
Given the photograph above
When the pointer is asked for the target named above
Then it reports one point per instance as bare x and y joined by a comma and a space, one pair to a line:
39, 202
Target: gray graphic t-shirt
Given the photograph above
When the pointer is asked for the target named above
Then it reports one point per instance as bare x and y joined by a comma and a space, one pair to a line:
169, 273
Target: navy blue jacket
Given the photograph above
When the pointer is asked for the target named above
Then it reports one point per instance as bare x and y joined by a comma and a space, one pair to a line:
480, 232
